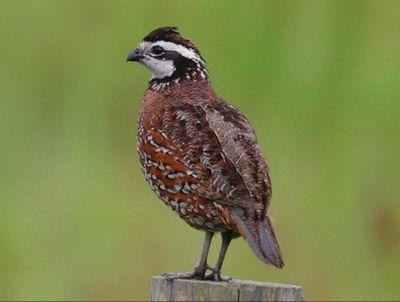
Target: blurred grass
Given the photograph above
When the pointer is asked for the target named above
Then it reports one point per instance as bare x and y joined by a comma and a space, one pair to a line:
320, 82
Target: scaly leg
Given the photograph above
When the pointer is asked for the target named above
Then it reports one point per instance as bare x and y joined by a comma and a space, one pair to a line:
216, 272
201, 265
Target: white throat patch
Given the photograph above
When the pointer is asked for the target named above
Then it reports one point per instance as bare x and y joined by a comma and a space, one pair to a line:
159, 68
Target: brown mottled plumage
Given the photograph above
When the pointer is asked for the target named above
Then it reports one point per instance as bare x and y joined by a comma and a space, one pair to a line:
199, 153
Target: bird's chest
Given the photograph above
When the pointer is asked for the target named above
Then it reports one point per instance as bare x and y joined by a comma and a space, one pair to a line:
169, 176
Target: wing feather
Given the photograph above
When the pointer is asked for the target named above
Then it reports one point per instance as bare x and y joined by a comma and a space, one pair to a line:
217, 144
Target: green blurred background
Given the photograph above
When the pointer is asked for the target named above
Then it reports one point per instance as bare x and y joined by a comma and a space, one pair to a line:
320, 82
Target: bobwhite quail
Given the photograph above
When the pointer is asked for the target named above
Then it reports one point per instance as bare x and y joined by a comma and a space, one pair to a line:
199, 154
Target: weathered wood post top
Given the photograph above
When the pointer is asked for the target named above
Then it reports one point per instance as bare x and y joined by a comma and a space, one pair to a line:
235, 290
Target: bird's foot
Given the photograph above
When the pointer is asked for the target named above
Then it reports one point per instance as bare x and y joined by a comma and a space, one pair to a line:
198, 273
215, 275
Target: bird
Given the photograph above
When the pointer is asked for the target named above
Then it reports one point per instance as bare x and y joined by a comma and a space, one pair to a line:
200, 155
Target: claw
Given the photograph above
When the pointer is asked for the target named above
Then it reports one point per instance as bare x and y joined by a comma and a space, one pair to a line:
198, 273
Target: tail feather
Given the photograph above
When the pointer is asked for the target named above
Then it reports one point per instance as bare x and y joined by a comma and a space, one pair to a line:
260, 236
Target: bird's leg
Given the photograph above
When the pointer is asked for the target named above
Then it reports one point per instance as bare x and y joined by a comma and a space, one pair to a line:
201, 264
216, 271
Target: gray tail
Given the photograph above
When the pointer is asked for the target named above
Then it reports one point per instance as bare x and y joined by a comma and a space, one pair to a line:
260, 236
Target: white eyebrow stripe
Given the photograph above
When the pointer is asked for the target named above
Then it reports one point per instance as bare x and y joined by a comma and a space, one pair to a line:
182, 50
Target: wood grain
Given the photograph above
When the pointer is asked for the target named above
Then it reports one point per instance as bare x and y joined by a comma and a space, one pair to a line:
236, 290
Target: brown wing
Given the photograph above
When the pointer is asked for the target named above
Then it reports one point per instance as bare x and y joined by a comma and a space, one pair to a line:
218, 148
239, 144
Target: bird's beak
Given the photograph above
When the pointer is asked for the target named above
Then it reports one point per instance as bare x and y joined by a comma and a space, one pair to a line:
135, 55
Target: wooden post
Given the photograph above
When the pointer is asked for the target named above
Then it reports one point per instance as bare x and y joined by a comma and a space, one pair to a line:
235, 290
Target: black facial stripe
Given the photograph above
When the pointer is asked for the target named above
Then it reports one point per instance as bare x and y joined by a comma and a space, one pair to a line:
183, 66
173, 55
179, 60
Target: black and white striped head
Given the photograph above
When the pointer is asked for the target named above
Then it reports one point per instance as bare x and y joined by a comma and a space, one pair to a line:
169, 56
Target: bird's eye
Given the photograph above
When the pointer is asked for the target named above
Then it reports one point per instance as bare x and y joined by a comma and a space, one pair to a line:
157, 50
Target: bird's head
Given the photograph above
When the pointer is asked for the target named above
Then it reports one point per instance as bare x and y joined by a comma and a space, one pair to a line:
169, 56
